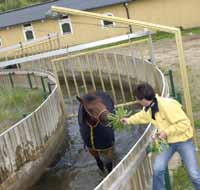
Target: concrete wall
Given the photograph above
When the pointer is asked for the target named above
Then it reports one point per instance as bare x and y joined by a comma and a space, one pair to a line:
29, 146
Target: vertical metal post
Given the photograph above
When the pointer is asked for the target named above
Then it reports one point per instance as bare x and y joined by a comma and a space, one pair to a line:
59, 88
11, 79
173, 93
29, 80
22, 49
50, 42
178, 97
75, 81
167, 180
80, 65
128, 75
91, 73
151, 48
108, 68
100, 72
67, 85
43, 87
184, 77
49, 87
119, 78
58, 41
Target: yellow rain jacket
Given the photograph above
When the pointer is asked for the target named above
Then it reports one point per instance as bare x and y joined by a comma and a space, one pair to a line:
171, 119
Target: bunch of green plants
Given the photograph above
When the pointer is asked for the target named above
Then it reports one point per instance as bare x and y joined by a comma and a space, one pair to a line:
115, 119
158, 145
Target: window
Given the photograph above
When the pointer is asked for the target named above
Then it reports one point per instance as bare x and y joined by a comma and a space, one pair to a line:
65, 25
106, 23
28, 32
1, 44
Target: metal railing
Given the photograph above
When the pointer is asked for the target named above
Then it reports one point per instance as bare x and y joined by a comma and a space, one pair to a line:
105, 70
48, 43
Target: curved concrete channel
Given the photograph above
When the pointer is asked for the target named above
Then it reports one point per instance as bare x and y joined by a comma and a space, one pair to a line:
74, 168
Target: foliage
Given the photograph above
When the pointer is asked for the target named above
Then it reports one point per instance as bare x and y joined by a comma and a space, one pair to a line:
191, 31
197, 123
115, 119
16, 103
181, 180
6, 5
158, 145
159, 35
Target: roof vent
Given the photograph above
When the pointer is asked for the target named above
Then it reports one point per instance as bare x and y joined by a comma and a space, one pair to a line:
51, 15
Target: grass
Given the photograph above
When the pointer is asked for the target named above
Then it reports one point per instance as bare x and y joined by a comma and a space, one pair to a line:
191, 31
165, 35
15, 103
181, 180
197, 123
162, 35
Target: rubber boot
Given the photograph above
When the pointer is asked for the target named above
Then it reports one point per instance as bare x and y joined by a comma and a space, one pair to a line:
109, 166
100, 164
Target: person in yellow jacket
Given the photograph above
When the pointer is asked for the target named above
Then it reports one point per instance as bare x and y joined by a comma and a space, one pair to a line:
173, 125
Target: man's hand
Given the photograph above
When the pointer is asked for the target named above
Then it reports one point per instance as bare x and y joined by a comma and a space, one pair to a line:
162, 135
124, 120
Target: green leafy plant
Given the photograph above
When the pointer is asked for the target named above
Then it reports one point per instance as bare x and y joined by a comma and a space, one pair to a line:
158, 145
115, 119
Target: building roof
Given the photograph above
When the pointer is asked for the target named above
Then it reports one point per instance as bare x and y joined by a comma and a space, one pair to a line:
37, 12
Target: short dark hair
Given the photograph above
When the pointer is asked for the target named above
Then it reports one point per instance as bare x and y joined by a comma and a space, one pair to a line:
144, 91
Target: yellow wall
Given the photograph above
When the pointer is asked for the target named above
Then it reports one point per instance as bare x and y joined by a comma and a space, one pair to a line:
88, 30
84, 29
11, 36
45, 27
183, 13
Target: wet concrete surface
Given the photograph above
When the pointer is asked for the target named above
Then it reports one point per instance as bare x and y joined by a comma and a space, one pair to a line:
76, 169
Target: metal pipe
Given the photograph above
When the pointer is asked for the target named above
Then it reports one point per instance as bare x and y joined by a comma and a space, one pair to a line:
128, 16
114, 19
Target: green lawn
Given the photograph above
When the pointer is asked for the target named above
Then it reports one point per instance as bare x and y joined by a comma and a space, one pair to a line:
15, 103
181, 180
165, 35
